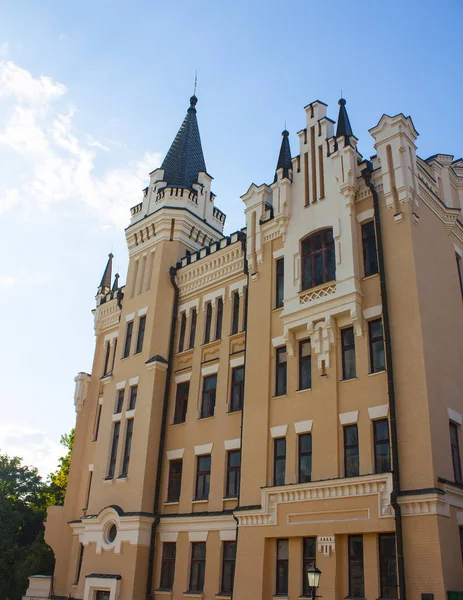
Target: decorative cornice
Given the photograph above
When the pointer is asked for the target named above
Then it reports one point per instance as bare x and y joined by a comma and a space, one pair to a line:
107, 316
448, 216
366, 485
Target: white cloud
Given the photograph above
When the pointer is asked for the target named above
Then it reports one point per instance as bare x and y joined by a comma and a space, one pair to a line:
32, 445
61, 163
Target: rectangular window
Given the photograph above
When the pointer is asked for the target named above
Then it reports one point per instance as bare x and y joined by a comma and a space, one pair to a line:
194, 317
356, 578
377, 361
128, 339
106, 359
279, 461
370, 256
219, 319
181, 402
208, 323
175, 480
113, 455
235, 313
305, 365
133, 397
280, 374
282, 567
351, 451
280, 282
114, 355
89, 487
348, 353
181, 338
203, 477
228, 566
141, 334
119, 401
382, 446
198, 566
245, 315
233, 473
455, 447
309, 553
305, 458
80, 559
209, 391
168, 565
387, 565
127, 447
237, 389
460, 271
97, 422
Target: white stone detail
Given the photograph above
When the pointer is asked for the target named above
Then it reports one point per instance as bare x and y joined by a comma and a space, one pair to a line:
213, 296
237, 362
455, 416
94, 584
175, 454
197, 523
80, 394
110, 336
129, 414
458, 251
197, 536
203, 449
237, 286
210, 369
129, 317
278, 431
227, 535
134, 380
232, 444
349, 418
378, 412
325, 544
142, 311
303, 426
116, 417
90, 467
278, 253
460, 518
120, 385
186, 307
372, 312
278, 341
183, 377
168, 536
317, 294
366, 215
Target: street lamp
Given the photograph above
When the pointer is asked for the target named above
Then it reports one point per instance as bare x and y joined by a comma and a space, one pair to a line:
313, 577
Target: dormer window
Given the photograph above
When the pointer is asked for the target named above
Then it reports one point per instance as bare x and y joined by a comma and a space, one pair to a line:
318, 259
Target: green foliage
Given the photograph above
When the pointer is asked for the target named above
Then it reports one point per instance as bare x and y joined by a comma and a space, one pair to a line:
24, 498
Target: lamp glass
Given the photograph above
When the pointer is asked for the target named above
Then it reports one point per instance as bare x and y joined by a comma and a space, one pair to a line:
313, 576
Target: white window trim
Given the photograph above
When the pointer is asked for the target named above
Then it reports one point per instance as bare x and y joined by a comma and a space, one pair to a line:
168, 536
183, 377
212, 297
120, 385
237, 286
142, 311
110, 336
349, 418
237, 362
278, 431
457, 251
129, 414
372, 312
134, 380
278, 341
210, 369
378, 412
93, 584
366, 215
229, 535
129, 317
232, 444
203, 449
90, 467
303, 426
278, 253
188, 306
175, 454
197, 536
455, 416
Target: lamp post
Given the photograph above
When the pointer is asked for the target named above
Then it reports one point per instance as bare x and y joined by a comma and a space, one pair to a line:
313, 577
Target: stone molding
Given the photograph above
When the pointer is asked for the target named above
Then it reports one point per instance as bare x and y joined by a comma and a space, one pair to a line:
366, 485
204, 523
107, 316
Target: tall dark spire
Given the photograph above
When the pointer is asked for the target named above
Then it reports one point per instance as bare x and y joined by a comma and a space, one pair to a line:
343, 128
116, 282
106, 279
185, 158
284, 158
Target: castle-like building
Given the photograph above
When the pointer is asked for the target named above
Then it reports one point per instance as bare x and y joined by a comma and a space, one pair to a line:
284, 397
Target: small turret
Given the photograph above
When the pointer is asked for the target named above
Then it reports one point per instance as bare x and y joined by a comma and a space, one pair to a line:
343, 128
105, 284
284, 158
116, 282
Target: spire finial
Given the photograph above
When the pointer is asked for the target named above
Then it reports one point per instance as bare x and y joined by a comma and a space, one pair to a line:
196, 81
284, 158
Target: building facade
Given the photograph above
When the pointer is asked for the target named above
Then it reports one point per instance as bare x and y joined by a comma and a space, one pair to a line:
285, 396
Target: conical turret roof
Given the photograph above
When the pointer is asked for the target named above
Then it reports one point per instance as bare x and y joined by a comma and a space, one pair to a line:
185, 158
106, 279
343, 128
284, 158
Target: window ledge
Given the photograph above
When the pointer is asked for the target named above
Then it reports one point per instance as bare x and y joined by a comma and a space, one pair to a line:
193, 594
108, 481
370, 277
317, 288
281, 396
353, 378
163, 593
223, 595
372, 375
200, 501
230, 498
121, 479
183, 352
277, 308
175, 424
171, 503
206, 418
234, 412
301, 391
233, 335
211, 343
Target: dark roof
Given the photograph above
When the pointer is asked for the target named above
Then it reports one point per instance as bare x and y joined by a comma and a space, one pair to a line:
284, 158
343, 128
106, 279
156, 358
185, 158
116, 282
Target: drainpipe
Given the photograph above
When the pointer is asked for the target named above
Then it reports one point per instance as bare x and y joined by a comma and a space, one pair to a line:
157, 492
366, 174
246, 303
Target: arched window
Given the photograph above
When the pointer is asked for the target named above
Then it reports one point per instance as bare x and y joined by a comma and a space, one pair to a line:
318, 262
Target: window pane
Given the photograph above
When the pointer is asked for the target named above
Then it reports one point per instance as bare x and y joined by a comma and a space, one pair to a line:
279, 282
210, 383
387, 563
356, 577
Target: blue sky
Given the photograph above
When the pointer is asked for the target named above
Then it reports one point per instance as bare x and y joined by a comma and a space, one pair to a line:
91, 96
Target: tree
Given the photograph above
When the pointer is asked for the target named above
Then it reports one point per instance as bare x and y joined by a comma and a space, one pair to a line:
56, 489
